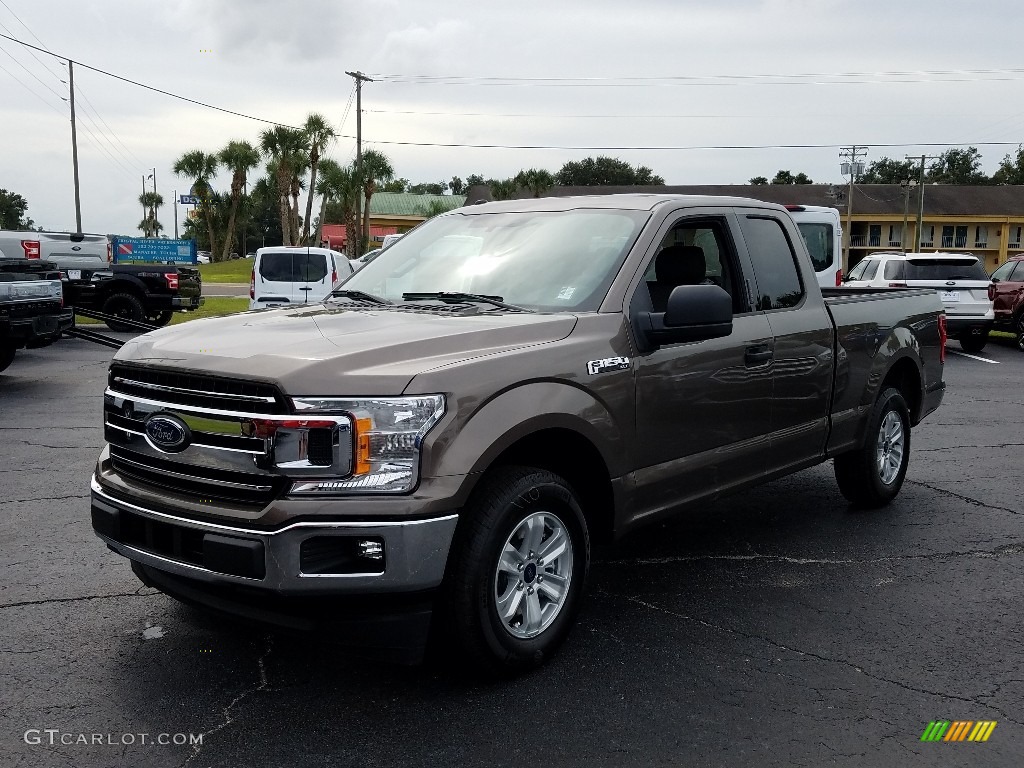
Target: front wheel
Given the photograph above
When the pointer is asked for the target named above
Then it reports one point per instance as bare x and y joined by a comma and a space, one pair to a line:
872, 475
518, 568
974, 344
160, 319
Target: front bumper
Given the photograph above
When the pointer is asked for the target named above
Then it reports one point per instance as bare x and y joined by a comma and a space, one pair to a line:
287, 561
36, 331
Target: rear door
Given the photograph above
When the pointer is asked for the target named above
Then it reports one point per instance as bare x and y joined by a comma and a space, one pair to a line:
312, 277
274, 279
1008, 282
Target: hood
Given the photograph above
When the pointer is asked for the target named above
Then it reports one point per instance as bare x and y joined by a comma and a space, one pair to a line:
339, 351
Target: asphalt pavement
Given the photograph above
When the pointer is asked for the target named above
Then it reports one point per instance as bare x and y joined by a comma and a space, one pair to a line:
775, 627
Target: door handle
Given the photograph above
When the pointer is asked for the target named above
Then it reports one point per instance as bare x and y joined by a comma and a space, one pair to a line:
307, 288
757, 355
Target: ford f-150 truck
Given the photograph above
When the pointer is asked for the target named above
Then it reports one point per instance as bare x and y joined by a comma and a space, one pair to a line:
446, 434
32, 312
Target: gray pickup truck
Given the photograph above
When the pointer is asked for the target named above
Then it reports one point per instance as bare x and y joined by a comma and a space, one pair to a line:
446, 434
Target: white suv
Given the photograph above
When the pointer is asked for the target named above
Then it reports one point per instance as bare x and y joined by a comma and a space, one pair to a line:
959, 278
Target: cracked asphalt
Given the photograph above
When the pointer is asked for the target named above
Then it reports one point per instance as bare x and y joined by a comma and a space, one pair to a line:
776, 627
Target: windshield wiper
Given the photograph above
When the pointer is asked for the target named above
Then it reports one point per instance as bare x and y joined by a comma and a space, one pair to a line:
455, 296
347, 294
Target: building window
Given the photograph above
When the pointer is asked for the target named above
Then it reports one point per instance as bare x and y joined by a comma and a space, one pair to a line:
960, 241
947, 236
1013, 241
874, 235
928, 236
981, 237
895, 235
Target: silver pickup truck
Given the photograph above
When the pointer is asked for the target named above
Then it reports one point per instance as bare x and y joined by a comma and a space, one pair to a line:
444, 437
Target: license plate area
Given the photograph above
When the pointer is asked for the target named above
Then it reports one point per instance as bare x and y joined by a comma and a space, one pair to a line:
949, 297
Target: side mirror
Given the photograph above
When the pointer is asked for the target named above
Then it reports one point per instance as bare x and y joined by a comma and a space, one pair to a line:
694, 313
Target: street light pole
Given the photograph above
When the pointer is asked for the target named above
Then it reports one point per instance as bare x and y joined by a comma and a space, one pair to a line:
359, 78
74, 146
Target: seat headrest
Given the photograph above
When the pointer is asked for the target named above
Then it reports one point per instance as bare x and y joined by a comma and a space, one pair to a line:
680, 265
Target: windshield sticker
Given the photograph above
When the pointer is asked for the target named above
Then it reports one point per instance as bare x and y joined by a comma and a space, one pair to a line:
608, 364
566, 293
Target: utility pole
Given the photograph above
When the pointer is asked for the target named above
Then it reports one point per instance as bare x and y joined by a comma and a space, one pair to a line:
175, 214
359, 78
852, 165
152, 207
920, 201
74, 146
145, 217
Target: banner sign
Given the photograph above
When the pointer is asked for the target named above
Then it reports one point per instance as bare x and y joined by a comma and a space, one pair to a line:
153, 250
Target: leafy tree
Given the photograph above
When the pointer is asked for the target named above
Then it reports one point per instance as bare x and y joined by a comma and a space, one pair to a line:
429, 188
474, 180
341, 191
758, 181
239, 157
433, 208
605, 171
505, 189
786, 177
537, 180
263, 211
13, 208
285, 150
376, 170
457, 186
957, 166
886, 170
151, 202
395, 185
200, 167
319, 134
1010, 171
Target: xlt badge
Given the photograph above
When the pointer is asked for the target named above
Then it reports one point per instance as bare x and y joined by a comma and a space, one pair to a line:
608, 364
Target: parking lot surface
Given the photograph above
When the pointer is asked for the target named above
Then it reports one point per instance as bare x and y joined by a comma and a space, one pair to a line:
775, 627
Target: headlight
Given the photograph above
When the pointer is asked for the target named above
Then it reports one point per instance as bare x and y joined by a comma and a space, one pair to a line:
387, 433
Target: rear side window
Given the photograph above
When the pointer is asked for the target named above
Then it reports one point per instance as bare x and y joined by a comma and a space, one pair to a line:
894, 270
945, 269
819, 239
1018, 273
778, 282
284, 267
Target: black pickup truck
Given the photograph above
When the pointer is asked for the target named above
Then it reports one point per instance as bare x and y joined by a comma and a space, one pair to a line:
148, 293
32, 312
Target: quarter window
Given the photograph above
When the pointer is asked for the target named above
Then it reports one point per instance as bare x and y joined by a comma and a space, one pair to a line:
775, 270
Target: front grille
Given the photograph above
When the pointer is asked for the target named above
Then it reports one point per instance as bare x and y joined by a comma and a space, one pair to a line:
197, 390
197, 480
30, 308
321, 447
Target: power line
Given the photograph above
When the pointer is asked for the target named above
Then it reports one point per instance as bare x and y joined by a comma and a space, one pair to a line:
31, 53
33, 74
78, 90
622, 116
149, 87
34, 93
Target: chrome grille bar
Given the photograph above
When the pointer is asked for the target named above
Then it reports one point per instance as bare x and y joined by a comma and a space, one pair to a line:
200, 392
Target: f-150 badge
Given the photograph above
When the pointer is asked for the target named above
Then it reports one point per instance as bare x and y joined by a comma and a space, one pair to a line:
608, 364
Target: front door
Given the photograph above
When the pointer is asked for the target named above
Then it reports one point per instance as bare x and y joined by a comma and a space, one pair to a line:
703, 408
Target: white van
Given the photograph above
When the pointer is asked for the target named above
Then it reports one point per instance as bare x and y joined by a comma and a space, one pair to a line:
823, 236
290, 275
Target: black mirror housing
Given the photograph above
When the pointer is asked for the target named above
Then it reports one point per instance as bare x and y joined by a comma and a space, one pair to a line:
694, 313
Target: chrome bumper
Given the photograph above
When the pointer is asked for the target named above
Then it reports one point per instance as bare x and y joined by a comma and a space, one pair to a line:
415, 551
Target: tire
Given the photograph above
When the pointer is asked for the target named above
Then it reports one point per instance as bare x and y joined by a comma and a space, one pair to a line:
1019, 327
862, 476
126, 306
160, 319
494, 566
973, 344
7, 352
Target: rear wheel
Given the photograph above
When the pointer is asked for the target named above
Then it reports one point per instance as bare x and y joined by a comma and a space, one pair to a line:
872, 475
515, 581
972, 343
160, 319
7, 352
126, 306
1020, 332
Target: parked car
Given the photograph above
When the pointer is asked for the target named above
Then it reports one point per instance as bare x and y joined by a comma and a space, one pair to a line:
1007, 294
203, 257
32, 312
506, 384
295, 275
69, 250
959, 278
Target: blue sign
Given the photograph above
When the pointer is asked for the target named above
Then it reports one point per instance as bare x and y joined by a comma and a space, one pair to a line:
153, 250
188, 199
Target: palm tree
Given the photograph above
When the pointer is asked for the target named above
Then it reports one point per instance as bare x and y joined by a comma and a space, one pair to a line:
340, 185
537, 180
285, 150
151, 202
239, 157
376, 169
319, 134
200, 167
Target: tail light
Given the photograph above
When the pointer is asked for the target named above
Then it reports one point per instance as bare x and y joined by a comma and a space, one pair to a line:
172, 280
897, 285
31, 248
334, 278
943, 336
110, 252
839, 277
991, 292
252, 283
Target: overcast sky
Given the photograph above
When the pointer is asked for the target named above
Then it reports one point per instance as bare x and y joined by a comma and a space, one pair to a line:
281, 60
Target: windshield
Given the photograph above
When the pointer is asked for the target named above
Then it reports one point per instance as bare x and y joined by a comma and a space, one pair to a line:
545, 261
819, 240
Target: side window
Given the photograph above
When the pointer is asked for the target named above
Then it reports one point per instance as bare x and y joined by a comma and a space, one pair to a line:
694, 252
1003, 273
894, 270
1018, 273
871, 269
857, 273
778, 281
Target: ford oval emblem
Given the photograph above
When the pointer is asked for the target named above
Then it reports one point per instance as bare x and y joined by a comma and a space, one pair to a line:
168, 433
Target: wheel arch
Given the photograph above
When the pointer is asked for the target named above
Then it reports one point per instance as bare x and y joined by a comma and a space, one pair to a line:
905, 376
